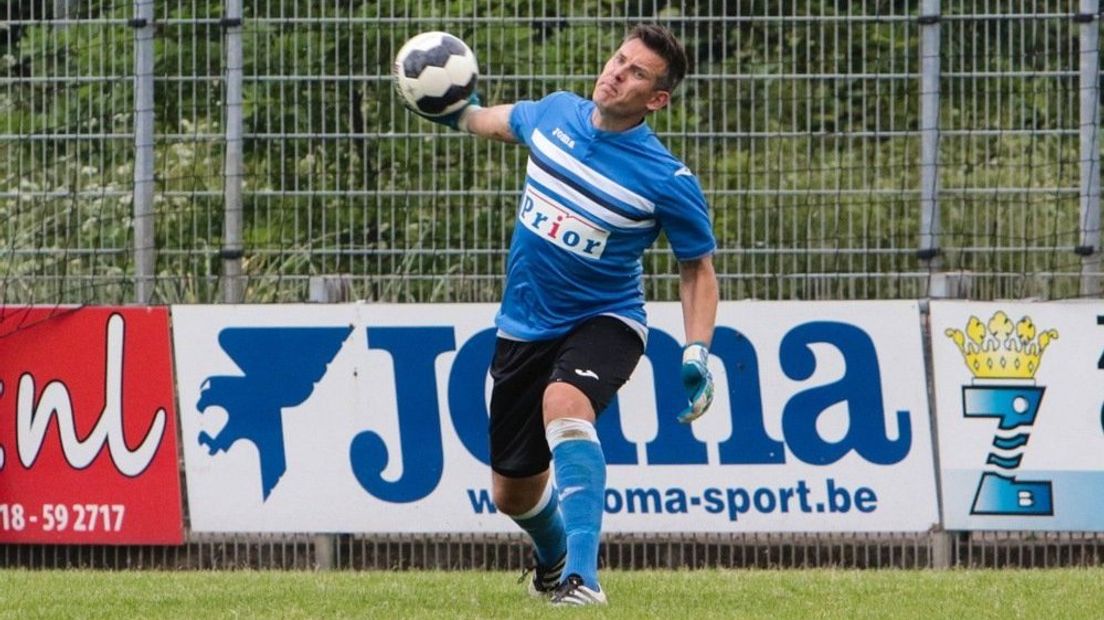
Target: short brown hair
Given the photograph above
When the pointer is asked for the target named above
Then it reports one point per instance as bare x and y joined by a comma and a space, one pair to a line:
664, 43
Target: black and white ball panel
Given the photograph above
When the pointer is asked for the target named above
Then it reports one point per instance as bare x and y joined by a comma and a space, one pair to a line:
437, 56
435, 73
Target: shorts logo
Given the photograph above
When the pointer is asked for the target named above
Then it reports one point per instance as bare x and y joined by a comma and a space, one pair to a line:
587, 373
561, 227
1003, 358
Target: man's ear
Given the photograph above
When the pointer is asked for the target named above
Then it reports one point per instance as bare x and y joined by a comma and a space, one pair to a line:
659, 100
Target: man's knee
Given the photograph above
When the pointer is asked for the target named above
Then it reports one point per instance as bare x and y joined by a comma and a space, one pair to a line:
563, 400
516, 496
508, 501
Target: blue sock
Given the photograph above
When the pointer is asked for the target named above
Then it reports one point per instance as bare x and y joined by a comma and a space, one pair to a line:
546, 528
581, 479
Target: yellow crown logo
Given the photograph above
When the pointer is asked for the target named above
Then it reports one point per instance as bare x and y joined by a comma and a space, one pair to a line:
1002, 349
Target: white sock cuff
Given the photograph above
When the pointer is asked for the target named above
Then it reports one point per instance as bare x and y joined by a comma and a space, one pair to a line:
568, 429
546, 497
465, 116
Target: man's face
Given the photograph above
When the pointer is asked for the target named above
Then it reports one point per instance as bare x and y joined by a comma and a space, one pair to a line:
627, 84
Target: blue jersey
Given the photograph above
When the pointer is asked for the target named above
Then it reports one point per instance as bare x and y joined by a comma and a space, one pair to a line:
593, 202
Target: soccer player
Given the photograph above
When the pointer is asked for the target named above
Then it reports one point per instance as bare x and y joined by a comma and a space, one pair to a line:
599, 188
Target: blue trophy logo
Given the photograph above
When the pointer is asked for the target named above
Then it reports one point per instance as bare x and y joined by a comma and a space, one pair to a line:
1003, 357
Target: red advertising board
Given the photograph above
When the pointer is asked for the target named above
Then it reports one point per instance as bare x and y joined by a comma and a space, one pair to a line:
88, 450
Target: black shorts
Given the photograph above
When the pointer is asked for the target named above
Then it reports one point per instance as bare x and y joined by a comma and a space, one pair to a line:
597, 357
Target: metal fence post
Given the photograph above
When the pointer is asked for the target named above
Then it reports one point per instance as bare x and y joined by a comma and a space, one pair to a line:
233, 285
942, 286
929, 251
1089, 249
324, 290
144, 249
930, 228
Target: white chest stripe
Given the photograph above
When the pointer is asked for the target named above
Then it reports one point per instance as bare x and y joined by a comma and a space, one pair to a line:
562, 158
583, 202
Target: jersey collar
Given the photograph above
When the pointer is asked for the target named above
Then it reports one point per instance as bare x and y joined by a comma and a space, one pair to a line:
632, 133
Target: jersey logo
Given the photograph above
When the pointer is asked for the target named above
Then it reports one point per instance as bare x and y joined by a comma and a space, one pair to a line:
561, 227
683, 172
563, 137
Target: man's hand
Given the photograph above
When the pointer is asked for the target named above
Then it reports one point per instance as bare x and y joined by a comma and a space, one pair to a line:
697, 381
455, 120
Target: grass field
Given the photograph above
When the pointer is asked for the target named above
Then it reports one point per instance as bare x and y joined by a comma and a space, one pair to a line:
1050, 594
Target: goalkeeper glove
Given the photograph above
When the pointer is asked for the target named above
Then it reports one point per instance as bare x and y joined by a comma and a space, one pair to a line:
454, 120
697, 381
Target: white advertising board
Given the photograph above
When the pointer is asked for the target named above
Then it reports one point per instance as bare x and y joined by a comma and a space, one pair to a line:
1018, 394
373, 418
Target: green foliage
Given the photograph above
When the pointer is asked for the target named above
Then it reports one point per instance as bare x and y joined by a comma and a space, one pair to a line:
802, 132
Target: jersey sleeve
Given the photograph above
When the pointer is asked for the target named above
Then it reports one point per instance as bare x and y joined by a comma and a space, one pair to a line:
526, 114
684, 216
523, 119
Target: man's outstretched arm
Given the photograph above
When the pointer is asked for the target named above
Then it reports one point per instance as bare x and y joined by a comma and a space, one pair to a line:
492, 122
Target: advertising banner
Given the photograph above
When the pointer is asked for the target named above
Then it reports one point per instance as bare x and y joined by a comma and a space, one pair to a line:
87, 427
373, 418
1018, 394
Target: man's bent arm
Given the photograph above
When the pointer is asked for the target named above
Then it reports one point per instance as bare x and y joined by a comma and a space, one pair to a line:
492, 123
699, 297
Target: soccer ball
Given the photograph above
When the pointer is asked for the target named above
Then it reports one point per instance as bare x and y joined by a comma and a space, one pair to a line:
435, 73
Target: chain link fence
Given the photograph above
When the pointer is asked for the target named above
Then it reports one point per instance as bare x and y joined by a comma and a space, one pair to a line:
206, 151
189, 151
